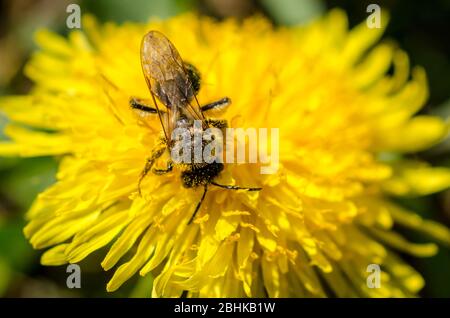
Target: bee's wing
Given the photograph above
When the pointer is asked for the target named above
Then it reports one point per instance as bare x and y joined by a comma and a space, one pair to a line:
168, 80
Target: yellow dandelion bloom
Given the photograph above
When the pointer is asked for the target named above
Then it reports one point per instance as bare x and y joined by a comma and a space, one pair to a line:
317, 223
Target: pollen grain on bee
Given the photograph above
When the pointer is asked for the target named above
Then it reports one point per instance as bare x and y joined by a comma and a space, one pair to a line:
231, 145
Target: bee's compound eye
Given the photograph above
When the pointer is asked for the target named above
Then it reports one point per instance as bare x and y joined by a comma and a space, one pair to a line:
194, 77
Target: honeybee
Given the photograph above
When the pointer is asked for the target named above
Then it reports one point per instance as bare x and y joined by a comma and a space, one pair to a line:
175, 84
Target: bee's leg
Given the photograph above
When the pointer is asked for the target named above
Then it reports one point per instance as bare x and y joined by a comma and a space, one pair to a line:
143, 105
199, 204
156, 153
232, 187
221, 103
164, 171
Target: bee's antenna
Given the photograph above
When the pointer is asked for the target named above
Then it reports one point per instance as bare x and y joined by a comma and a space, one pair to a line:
232, 187
199, 204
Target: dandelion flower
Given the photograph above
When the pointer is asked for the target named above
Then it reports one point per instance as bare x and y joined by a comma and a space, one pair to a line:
317, 223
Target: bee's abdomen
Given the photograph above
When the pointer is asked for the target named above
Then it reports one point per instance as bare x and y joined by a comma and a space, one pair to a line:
196, 176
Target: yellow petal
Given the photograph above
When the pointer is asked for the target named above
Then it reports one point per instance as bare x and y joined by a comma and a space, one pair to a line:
128, 269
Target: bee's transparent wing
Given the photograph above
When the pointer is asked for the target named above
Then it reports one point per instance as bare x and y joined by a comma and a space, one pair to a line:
168, 80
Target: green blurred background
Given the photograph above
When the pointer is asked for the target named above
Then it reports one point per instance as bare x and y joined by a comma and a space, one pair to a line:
420, 27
